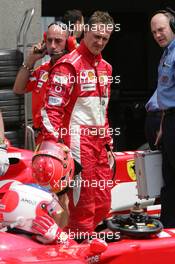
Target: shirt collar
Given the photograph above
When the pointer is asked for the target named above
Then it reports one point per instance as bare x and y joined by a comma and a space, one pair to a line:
92, 59
171, 45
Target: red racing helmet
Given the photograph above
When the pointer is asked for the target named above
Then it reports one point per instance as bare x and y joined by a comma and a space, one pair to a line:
53, 166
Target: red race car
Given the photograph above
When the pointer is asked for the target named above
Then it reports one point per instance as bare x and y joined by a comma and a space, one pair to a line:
131, 235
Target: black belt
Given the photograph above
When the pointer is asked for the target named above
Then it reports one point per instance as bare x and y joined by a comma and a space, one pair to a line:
155, 113
169, 111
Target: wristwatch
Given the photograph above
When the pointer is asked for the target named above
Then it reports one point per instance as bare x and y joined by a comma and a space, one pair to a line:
2, 144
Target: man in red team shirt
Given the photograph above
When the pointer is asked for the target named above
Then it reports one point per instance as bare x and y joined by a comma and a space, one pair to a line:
76, 112
35, 81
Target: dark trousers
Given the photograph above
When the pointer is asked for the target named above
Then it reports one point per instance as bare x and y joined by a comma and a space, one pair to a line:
168, 166
152, 125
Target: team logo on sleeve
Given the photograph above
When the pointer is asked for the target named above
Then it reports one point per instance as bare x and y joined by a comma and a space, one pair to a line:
43, 76
40, 84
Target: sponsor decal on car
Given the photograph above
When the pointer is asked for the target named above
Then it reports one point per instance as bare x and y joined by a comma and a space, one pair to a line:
131, 169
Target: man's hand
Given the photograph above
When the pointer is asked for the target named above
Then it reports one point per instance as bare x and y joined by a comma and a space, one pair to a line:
34, 54
112, 163
110, 159
40, 48
48, 230
4, 161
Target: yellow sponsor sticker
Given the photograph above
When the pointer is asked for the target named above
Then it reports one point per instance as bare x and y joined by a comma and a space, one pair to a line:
91, 75
44, 77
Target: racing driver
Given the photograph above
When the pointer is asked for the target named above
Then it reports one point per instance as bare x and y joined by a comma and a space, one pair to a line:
78, 92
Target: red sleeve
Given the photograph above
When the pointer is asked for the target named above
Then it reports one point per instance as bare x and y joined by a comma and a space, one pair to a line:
32, 81
58, 95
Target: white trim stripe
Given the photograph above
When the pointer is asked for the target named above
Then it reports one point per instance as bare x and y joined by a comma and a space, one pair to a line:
46, 122
32, 79
77, 59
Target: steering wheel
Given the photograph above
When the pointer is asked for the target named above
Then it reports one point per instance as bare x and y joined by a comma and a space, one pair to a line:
136, 224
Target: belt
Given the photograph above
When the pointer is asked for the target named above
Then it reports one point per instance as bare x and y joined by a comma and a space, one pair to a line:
169, 111
155, 113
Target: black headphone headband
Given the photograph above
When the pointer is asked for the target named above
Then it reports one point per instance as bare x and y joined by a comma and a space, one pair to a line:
167, 11
170, 10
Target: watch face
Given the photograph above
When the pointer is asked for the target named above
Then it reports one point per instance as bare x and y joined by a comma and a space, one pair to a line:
2, 144
1, 141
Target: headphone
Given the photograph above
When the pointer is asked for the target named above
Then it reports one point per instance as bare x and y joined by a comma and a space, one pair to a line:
165, 11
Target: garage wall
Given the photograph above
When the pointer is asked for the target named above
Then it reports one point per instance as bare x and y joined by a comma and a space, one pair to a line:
11, 13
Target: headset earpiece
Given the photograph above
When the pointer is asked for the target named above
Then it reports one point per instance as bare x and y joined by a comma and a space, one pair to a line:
45, 36
172, 20
71, 43
172, 25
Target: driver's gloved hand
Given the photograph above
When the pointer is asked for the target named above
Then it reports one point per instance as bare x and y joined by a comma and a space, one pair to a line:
48, 231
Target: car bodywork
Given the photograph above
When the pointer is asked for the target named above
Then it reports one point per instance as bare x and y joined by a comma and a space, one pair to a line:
17, 248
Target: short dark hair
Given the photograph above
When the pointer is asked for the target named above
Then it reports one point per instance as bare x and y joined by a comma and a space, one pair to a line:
72, 16
58, 23
100, 17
